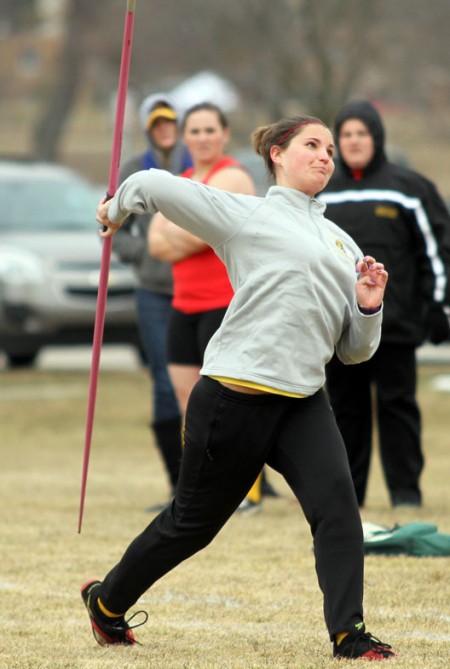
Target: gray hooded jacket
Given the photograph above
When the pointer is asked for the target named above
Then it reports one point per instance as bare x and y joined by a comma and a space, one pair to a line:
130, 243
292, 270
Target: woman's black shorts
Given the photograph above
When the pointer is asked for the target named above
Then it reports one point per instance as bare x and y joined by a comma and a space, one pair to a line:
189, 335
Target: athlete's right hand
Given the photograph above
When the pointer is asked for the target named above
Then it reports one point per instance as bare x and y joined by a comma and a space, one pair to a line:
109, 228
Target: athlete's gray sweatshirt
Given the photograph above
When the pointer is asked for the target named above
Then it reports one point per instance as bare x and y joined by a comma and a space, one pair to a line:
292, 270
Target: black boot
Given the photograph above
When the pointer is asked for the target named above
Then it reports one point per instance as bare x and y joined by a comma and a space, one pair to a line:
267, 489
168, 441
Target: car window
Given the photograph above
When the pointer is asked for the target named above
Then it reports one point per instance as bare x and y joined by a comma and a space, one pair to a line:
40, 205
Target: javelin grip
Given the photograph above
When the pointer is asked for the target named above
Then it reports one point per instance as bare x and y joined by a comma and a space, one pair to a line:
108, 196
107, 245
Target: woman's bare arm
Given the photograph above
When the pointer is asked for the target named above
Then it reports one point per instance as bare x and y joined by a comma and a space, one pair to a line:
170, 243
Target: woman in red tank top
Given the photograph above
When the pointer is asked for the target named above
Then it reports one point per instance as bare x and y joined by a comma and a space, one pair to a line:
202, 290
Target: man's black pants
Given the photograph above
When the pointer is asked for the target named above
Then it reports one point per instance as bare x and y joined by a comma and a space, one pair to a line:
392, 371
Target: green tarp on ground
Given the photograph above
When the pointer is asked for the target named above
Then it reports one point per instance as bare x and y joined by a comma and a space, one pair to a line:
417, 539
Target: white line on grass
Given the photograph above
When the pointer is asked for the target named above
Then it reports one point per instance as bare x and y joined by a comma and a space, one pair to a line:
43, 392
7, 586
441, 383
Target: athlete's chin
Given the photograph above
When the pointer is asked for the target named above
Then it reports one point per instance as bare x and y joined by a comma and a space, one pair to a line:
321, 181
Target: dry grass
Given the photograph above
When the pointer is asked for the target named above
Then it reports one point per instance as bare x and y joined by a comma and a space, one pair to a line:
250, 600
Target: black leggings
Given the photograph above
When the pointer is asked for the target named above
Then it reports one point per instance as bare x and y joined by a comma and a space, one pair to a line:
229, 436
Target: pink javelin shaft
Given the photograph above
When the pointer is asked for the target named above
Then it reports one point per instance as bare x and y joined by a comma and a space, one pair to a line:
107, 245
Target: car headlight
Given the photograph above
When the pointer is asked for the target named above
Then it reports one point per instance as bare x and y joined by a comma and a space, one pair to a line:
19, 266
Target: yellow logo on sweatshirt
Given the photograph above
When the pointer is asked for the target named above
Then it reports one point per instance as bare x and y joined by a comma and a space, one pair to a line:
384, 211
340, 246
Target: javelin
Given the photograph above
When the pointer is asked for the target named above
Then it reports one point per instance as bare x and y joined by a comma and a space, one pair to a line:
107, 244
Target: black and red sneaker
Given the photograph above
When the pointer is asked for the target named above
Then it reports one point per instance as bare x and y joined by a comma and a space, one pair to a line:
359, 644
106, 630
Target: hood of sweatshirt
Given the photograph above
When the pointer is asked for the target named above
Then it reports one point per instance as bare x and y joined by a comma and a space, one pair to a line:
364, 111
150, 103
153, 101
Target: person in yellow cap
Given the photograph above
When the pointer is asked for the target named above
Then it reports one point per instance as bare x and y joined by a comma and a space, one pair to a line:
159, 121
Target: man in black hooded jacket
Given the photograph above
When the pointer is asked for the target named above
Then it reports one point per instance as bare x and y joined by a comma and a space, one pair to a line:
396, 215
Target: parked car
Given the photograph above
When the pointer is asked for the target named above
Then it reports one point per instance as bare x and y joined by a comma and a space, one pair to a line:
50, 256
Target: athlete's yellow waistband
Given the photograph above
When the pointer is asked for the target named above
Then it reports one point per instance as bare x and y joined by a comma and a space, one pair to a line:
256, 386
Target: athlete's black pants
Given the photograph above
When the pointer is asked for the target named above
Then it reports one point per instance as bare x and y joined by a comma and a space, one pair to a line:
228, 438
392, 371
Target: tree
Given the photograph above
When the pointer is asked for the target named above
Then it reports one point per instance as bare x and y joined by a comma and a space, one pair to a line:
283, 55
17, 13
275, 52
81, 17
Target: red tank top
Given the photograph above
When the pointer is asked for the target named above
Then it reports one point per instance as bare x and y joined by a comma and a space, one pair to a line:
200, 282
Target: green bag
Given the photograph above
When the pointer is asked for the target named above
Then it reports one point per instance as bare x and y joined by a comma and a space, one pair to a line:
418, 539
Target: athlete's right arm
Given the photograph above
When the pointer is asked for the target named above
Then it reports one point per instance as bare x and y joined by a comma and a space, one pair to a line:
208, 213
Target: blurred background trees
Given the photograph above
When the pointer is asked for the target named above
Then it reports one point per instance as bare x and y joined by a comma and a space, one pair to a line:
59, 60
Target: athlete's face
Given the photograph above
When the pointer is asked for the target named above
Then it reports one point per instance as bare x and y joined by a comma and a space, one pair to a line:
204, 136
356, 144
306, 164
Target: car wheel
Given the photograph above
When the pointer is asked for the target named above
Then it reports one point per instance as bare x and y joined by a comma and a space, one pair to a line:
16, 360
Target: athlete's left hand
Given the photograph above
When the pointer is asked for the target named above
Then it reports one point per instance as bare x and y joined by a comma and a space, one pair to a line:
371, 283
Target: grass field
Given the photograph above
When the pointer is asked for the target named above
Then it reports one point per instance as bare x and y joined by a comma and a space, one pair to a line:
249, 601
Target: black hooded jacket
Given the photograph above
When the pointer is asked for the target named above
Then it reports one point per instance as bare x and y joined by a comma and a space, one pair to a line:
397, 216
